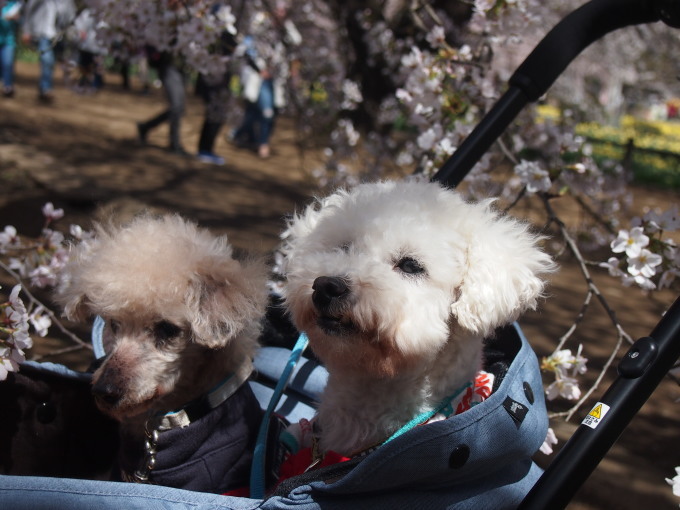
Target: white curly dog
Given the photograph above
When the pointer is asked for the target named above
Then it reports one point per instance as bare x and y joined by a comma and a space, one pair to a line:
396, 285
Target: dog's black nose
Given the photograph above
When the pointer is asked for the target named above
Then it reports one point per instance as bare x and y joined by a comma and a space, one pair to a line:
328, 288
106, 392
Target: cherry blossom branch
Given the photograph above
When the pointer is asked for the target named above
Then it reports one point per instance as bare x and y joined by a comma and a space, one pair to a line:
579, 318
607, 225
592, 290
36, 302
574, 249
59, 352
519, 197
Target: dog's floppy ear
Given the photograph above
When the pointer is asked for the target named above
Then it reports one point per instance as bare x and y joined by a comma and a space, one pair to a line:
224, 298
504, 273
69, 293
74, 305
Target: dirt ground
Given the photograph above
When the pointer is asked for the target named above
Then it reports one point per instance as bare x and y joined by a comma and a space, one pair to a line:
81, 154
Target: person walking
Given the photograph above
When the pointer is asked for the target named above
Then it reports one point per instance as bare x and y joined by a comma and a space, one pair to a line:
172, 78
215, 93
44, 22
90, 54
265, 75
9, 24
214, 88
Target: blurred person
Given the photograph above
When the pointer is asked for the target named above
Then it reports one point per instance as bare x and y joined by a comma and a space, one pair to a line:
9, 24
172, 78
90, 53
44, 22
171, 74
215, 91
143, 71
265, 75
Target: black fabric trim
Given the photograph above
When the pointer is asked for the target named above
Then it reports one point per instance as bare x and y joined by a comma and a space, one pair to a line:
328, 473
499, 352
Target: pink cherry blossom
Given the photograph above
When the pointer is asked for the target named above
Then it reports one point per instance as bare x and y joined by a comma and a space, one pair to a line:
51, 213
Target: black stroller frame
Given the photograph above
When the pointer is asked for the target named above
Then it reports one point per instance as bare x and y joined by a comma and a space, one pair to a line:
650, 358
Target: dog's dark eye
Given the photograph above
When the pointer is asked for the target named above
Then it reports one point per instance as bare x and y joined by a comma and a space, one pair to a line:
344, 247
115, 327
410, 265
164, 331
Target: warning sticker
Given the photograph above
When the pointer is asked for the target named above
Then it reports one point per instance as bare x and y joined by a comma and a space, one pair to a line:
595, 416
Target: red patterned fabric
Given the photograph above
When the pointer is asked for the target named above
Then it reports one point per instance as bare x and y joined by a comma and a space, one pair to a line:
479, 392
298, 462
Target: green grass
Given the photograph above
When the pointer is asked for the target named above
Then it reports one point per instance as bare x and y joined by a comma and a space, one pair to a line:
656, 153
651, 168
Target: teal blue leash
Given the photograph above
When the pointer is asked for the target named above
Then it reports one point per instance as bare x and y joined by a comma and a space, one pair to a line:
426, 415
257, 474
98, 337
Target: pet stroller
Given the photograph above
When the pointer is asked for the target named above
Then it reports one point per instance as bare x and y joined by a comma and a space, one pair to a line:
478, 459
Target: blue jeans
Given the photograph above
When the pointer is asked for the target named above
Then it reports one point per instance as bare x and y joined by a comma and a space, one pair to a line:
173, 85
7, 53
46, 55
258, 119
265, 103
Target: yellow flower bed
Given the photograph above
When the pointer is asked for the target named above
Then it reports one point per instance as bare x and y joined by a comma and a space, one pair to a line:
548, 112
667, 139
654, 135
610, 142
666, 128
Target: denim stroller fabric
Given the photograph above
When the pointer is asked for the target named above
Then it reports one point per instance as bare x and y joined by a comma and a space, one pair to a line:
479, 459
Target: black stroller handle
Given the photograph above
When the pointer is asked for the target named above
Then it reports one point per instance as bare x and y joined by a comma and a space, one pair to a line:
573, 34
650, 358
640, 372
546, 62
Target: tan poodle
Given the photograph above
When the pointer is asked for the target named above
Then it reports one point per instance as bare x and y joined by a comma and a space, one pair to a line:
182, 320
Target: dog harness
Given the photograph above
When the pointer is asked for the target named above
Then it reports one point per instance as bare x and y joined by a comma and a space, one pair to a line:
301, 439
182, 418
202, 406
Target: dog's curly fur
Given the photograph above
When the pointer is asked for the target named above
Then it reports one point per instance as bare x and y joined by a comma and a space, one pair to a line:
397, 284
181, 313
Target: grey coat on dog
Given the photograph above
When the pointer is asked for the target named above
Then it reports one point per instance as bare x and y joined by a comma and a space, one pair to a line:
212, 454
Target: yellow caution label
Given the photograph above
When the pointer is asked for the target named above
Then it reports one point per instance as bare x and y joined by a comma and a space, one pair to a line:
596, 412
596, 415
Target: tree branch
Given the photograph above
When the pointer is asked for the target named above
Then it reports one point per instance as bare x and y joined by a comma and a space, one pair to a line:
36, 302
593, 290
